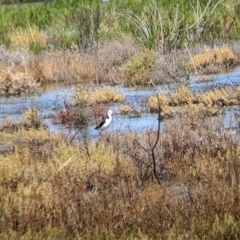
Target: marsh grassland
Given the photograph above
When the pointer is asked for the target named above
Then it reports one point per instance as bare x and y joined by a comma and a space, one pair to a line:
182, 182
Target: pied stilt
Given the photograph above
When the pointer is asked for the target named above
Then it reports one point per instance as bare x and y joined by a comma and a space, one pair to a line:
106, 122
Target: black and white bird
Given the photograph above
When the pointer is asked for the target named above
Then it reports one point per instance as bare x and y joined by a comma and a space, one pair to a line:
106, 122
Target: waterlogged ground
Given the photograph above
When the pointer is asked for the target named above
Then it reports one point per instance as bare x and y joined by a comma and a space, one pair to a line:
53, 98
54, 95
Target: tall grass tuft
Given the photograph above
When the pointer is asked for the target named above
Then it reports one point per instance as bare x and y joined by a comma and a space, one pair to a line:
85, 97
29, 38
222, 57
209, 102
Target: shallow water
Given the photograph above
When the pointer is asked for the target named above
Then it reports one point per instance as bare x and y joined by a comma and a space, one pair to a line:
53, 97
229, 78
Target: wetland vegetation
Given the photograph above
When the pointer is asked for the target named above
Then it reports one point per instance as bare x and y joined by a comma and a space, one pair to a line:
179, 180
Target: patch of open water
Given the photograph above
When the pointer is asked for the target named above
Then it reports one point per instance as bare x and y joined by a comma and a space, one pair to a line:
53, 97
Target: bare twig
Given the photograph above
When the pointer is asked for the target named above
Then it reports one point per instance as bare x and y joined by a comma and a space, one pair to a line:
191, 59
75, 134
156, 142
151, 150
65, 164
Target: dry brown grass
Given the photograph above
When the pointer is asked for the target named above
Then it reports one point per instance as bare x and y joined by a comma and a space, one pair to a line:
182, 96
101, 65
53, 189
125, 109
105, 95
68, 67
169, 67
209, 102
30, 120
178, 64
218, 97
112, 63
18, 84
210, 60
115, 54
161, 100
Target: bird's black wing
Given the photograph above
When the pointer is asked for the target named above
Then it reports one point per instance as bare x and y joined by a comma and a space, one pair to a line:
100, 124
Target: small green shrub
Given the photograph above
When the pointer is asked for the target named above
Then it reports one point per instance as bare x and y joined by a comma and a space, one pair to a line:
35, 48
138, 67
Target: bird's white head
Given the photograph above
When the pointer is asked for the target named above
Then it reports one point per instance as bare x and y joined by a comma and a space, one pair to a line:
109, 113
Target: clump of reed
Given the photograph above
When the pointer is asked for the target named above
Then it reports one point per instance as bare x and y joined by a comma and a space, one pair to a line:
69, 67
182, 96
100, 65
211, 100
211, 60
220, 97
126, 109
18, 84
162, 101
105, 95
32, 117
28, 38
30, 120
